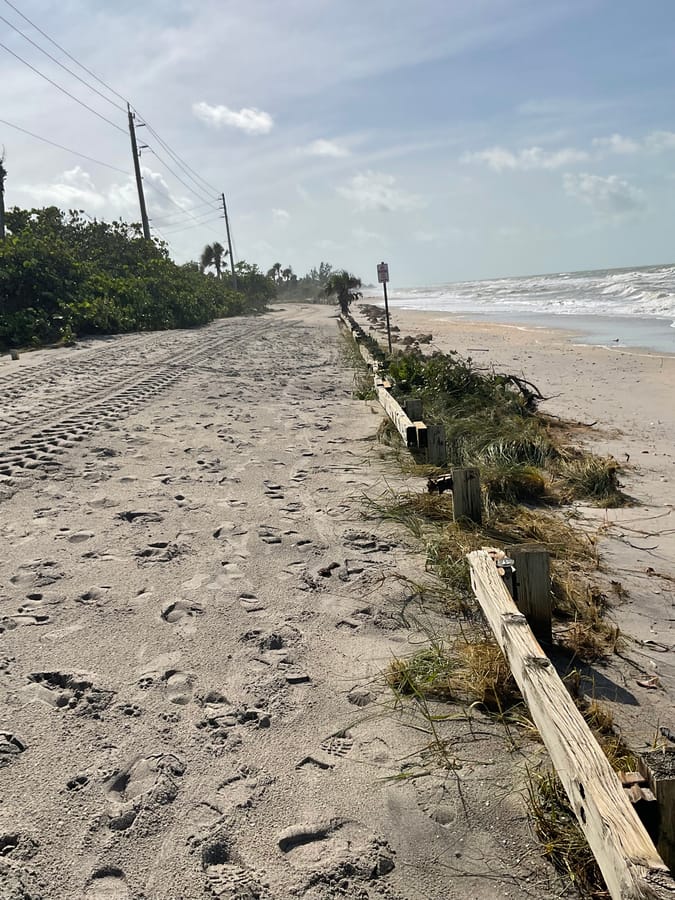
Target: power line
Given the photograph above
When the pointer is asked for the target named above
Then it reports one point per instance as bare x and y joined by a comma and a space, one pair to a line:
200, 183
180, 162
65, 68
188, 187
61, 147
169, 223
62, 89
70, 56
194, 225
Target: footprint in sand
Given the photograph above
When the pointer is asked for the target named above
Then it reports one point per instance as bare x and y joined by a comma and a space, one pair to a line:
180, 611
226, 878
108, 883
338, 744
177, 686
39, 573
244, 787
268, 534
69, 692
148, 781
336, 850
10, 748
250, 603
229, 571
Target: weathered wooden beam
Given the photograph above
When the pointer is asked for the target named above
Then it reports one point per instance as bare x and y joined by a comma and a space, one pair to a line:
466, 499
532, 586
627, 858
405, 427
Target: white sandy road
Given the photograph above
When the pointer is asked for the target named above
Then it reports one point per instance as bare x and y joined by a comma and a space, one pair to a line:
194, 619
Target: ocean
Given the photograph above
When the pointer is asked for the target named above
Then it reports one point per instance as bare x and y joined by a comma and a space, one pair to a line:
632, 307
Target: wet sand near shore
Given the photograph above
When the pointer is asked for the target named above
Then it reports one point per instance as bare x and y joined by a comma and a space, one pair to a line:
194, 620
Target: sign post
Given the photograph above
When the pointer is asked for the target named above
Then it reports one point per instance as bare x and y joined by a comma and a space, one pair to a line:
383, 278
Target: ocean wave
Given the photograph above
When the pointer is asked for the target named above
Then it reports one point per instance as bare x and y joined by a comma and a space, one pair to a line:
647, 292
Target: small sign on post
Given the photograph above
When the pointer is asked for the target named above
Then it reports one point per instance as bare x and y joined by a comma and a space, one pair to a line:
383, 278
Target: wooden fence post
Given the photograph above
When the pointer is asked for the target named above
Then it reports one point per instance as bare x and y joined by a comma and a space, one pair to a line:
532, 586
437, 454
658, 767
413, 408
466, 499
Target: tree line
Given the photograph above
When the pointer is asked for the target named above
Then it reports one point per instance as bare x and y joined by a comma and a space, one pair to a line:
63, 275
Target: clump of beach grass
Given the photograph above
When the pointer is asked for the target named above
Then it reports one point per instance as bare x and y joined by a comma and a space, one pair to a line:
470, 669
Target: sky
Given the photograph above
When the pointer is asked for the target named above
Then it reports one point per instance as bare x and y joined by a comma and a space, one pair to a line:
454, 139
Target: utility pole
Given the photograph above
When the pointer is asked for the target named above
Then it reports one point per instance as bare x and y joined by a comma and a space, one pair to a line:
139, 180
3, 174
229, 243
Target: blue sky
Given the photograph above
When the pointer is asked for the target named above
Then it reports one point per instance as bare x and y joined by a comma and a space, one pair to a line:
455, 140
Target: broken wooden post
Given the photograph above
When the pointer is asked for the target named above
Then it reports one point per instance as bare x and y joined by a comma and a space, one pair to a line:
422, 435
627, 858
413, 408
532, 586
14, 354
466, 499
437, 454
658, 767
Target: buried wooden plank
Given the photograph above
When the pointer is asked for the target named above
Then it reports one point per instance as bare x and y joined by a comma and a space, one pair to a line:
405, 427
627, 858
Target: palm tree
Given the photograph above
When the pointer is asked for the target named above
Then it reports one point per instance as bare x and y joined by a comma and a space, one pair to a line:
344, 287
213, 255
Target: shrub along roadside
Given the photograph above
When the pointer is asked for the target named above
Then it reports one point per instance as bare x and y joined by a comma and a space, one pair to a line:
62, 276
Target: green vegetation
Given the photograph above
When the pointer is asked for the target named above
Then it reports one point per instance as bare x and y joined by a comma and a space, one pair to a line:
345, 287
491, 421
62, 276
306, 289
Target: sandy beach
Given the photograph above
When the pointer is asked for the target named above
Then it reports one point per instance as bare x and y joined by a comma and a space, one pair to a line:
627, 395
196, 616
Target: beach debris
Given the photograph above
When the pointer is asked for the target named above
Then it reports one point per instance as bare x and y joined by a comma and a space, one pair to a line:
652, 683
440, 484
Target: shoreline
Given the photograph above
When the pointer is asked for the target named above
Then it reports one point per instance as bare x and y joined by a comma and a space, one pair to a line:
652, 334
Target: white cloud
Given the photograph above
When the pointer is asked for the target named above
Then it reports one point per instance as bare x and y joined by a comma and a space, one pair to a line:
616, 143
660, 140
281, 215
248, 119
362, 235
322, 147
377, 191
611, 196
75, 189
499, 159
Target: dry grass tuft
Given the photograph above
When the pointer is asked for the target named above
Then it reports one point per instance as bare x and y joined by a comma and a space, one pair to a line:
469, 669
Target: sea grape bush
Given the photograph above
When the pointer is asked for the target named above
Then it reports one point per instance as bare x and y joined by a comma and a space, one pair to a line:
62, 275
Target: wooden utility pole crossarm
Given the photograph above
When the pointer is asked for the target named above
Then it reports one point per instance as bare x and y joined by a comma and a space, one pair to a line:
627, 858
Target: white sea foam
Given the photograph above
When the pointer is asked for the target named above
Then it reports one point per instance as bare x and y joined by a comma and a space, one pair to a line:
644, 292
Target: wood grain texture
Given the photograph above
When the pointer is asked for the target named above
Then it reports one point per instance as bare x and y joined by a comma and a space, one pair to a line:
627, 858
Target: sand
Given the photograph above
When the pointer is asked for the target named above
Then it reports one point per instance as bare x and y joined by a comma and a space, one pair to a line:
629, 396
194, 620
